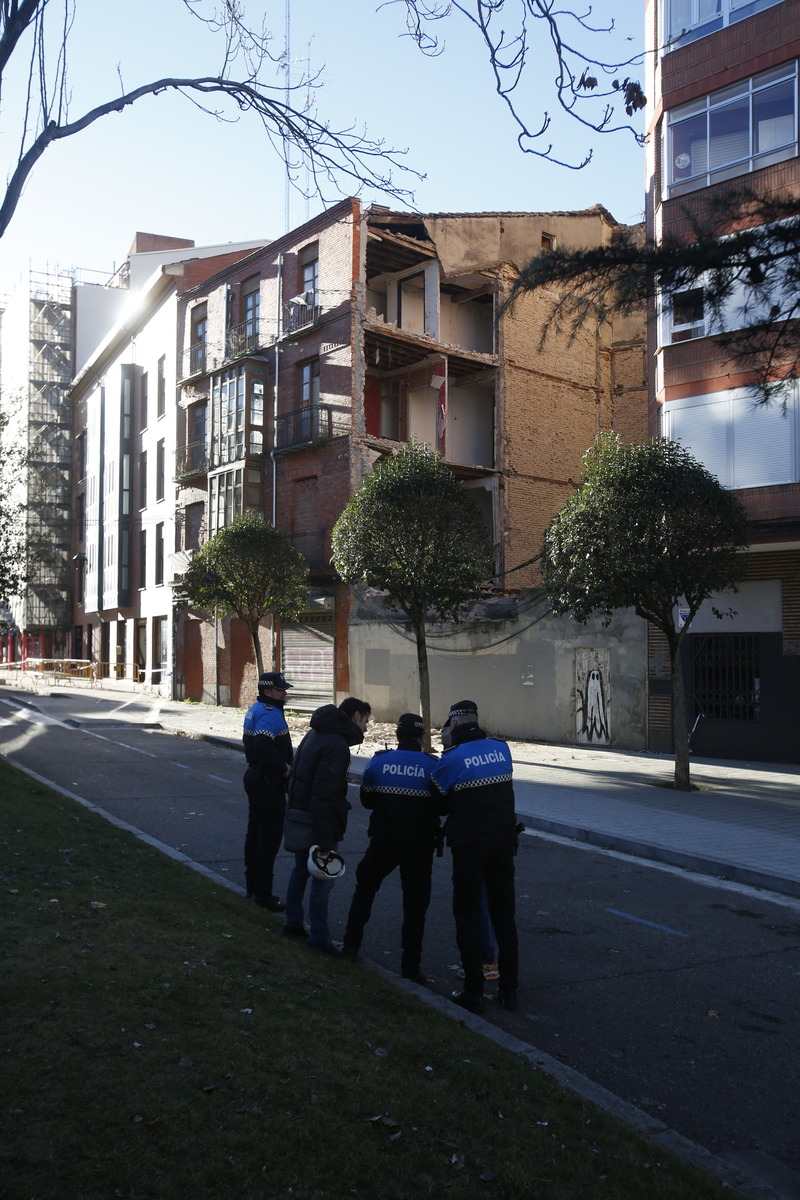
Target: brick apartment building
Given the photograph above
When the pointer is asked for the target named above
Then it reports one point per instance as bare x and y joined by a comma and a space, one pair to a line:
305, 363
723, 112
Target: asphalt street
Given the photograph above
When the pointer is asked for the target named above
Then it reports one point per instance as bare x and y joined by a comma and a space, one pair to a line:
675, 992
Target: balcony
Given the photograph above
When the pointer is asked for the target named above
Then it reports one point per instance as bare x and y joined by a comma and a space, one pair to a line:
300, 314
306, 426
312, 548
194, 360
191, 460
243, 339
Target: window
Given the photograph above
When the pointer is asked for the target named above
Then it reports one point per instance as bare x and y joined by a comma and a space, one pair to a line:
744, 445
143, 479
80, 447
257, 402
688, 312
251, 304
143, 558
143, 401
308, 388
227, 416
548, 241
225, 499
687, 20
732, 132
726, 675
309, 274
308, 383
159, 554
160, 470
199, 333
162, 387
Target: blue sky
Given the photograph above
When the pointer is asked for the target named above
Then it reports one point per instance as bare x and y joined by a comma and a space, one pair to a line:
164, 167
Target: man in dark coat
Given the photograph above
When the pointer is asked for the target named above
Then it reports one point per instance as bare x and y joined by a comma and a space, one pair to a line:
403, 833
473, 780
268, 750
317, 811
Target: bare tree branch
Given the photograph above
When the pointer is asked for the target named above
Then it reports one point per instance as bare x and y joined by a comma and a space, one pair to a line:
331, 156
510, 58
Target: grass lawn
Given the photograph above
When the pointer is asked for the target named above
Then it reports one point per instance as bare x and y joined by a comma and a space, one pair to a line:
159, 1038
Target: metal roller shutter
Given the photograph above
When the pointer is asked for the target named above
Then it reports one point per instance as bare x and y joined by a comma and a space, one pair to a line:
308, 660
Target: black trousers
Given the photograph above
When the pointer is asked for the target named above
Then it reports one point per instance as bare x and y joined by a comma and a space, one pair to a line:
266, 813
415, 865
490, 861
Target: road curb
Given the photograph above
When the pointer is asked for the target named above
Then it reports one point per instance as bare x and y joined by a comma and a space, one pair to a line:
701, 864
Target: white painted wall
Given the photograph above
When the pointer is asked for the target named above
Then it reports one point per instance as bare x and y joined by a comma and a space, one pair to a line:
521, 673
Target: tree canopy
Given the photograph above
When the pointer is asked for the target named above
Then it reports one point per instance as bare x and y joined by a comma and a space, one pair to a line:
413, 532
737, 263
247, 570
648, 528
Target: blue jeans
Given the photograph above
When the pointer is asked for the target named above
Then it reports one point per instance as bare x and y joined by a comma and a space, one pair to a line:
318, 897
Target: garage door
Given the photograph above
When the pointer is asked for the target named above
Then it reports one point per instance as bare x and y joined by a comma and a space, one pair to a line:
308, 660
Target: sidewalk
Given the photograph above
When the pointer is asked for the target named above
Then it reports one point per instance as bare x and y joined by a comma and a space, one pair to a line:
743, 824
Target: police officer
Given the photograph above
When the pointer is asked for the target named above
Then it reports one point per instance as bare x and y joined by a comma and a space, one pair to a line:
403, 832
268, 749
473, 783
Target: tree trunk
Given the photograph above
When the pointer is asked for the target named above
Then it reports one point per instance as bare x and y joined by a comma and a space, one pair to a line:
257, 647
680, 728
418, 624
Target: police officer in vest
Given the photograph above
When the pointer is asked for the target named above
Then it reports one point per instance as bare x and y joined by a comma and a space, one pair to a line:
268, 750
472, 781
403, 831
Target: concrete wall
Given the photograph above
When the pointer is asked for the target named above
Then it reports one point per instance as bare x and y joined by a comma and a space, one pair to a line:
532, 676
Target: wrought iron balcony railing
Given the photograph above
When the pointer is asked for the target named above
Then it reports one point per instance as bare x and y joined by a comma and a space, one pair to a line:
317, 423
243, 339
299, 314
191, 459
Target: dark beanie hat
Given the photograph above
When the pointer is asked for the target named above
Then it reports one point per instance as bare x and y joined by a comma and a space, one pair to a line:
410, 725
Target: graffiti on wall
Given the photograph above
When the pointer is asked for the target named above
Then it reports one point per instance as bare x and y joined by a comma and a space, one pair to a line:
592, 697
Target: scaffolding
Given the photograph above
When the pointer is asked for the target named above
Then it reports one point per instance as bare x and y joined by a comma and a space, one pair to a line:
49, 452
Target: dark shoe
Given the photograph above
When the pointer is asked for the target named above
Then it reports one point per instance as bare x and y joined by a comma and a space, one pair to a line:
350, 953
328, 948
417, 977
296, 931
470, 1000
273, 903
508, 998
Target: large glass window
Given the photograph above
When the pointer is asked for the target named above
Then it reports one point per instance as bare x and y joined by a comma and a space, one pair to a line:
309, 274
687, 20
228, 416
251, 303
199, 334
733, 131
225, 499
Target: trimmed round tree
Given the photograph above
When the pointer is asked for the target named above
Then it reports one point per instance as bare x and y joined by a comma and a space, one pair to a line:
647, 528
413, 532
247, 570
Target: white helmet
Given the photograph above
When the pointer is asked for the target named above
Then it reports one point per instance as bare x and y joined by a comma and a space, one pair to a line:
327, 867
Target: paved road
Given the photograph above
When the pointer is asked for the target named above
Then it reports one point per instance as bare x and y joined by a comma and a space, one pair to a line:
677, 994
